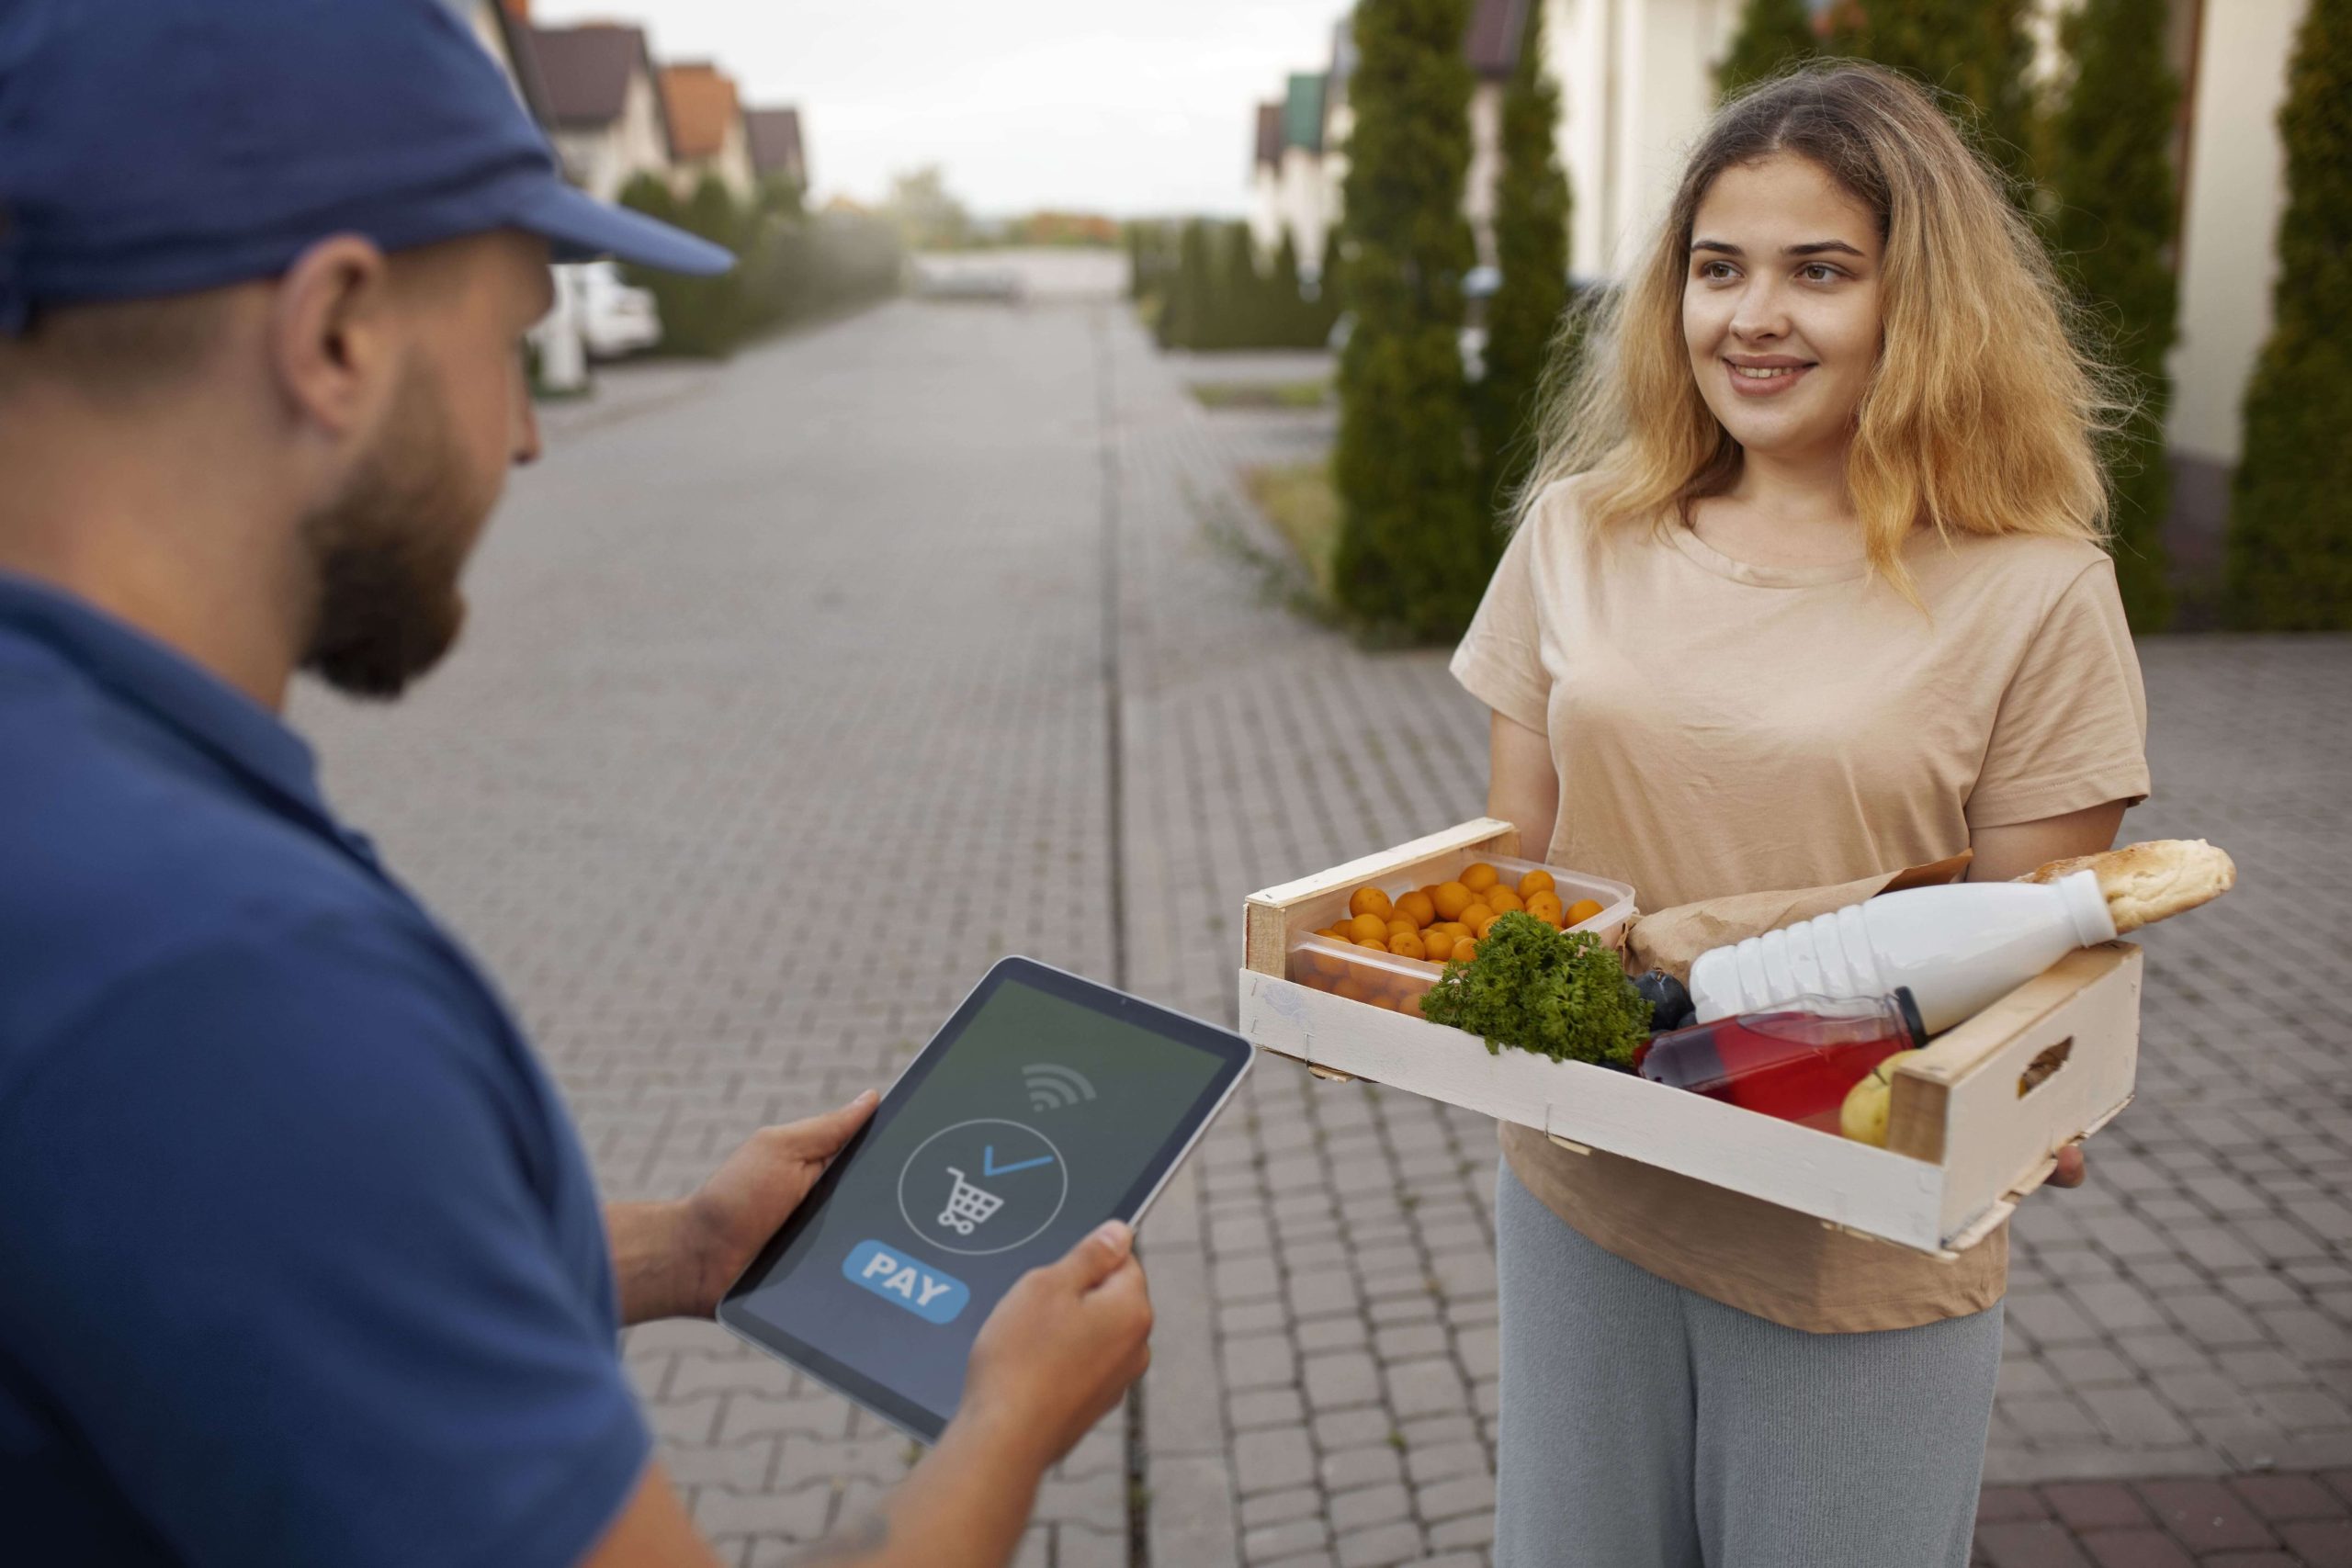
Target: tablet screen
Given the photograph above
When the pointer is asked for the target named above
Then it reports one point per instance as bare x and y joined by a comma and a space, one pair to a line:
1046, 1105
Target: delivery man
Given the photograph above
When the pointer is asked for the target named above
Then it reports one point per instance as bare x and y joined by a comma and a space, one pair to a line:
301, 1262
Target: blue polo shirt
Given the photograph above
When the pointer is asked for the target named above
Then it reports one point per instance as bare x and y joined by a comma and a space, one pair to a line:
299, 1258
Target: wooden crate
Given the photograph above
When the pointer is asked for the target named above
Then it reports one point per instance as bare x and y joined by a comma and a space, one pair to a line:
1974, 1124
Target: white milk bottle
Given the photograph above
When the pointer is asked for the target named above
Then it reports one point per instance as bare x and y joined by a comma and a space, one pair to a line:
1958, 948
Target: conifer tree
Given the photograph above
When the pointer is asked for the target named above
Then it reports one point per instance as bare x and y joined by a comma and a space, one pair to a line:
1978, 50
2291, 511
2111, 171
1532, 248
1412, 550
1774, 34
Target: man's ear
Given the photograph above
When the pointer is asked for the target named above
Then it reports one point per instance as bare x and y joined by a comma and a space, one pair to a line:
332, 343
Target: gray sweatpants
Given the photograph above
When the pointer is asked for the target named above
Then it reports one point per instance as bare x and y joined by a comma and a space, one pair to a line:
1644, 1425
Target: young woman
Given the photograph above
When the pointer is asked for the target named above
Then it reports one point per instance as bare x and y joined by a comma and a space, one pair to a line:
1808, 586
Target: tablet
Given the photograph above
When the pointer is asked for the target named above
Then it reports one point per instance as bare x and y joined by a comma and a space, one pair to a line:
1046, 1105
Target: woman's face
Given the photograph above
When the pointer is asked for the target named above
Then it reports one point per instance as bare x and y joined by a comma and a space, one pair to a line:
1780, 306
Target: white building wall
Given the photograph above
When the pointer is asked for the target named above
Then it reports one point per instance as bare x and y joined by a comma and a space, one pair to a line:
2229, 219
1486, 166
1265, 210
1300, 201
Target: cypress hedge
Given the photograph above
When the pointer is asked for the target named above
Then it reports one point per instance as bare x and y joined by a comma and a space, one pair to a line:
2291, 515
2110, 169
1532, 249
1773, 35
1978, 50
1413, 551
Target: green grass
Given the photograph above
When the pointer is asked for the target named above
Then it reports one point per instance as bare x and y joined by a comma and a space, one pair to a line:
1312, 394
1298, 499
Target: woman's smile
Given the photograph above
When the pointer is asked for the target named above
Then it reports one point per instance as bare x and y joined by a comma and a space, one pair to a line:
1765, 376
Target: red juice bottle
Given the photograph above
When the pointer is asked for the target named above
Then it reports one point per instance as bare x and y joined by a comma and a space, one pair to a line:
1795, 1061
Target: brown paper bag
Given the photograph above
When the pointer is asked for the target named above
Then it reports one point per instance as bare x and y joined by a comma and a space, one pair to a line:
1672, 939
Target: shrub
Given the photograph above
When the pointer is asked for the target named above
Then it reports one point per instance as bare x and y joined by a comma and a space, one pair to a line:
2291, 513
2112, 225
1413, 542
1532, 248
1774, 34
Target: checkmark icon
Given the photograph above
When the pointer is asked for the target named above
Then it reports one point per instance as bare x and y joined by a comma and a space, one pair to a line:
989, 1168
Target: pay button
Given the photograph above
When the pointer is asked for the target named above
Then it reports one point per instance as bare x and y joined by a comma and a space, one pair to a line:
923, 1291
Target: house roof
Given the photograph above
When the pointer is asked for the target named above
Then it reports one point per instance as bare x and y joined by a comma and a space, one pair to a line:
584, 71
1492, 42
703, 105
1270, 133
774, 137
1302, 112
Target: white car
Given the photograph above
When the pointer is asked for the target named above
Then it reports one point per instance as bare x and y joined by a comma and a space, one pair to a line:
615, 318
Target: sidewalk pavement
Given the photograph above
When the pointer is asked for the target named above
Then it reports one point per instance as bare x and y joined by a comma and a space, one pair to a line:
787, 706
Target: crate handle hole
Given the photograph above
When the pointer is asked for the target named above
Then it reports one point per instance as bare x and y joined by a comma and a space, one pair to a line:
2045, 1068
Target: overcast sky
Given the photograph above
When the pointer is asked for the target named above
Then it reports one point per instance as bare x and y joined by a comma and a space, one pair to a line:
1117, 105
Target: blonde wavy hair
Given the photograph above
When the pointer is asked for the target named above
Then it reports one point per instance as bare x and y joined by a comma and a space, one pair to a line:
1984, 415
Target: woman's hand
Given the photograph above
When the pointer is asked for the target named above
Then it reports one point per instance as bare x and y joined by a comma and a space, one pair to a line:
2071, 1171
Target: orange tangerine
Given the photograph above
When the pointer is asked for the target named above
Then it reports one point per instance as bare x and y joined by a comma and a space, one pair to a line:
1380, 946
1481, 927
1417, 907
1480, 877
1502, 900
1452, 898
1534, 881
1475, 917
1369, 928
1402, 927
1545, 905
1406, 944
1369, 901
1582, 910
1352, 989
1452, 945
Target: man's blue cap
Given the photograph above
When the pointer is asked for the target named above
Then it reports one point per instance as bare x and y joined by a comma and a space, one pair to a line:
154, 147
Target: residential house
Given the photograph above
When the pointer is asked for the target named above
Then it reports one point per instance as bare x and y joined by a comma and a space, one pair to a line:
1497, 28
708, 136
1301, 190
1266, 182
777, 150
604, 108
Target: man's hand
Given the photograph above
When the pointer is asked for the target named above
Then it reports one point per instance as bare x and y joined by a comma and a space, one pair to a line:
676, 1259
1061, 1348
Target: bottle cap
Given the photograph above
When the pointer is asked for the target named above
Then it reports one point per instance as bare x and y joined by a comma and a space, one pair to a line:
1913, 1024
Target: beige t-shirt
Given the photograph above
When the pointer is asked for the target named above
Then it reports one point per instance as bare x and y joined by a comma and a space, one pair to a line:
1720, 727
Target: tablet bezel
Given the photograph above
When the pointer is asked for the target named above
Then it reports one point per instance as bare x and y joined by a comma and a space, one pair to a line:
1235, 1055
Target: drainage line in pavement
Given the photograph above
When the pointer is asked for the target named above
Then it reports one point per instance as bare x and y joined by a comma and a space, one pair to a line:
1114, 748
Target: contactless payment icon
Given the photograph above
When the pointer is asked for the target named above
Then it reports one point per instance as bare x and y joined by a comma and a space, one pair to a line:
982, 1186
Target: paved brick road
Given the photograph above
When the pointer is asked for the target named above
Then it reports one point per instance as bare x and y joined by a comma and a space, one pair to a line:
787, 708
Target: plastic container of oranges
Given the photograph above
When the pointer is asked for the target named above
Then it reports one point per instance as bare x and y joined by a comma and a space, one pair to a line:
1391, 968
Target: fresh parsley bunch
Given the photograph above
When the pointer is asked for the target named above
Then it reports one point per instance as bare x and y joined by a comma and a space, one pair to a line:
1559, 994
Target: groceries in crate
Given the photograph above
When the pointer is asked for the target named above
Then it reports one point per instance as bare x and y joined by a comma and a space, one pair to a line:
1797, 1062
1864, 1116
1443, 921
1559, 994
1959, 948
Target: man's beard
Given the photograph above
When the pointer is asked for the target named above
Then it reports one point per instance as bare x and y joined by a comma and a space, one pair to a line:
388, 553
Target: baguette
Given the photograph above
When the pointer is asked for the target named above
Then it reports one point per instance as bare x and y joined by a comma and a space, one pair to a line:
2147, 882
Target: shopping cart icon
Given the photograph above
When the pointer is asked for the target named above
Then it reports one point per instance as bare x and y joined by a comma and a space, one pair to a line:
968, 1205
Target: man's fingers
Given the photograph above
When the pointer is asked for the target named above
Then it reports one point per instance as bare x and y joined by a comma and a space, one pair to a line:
2072, 1168
1097, 1257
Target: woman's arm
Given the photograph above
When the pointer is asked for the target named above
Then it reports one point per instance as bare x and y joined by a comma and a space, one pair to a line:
1521, 788
2005, 853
